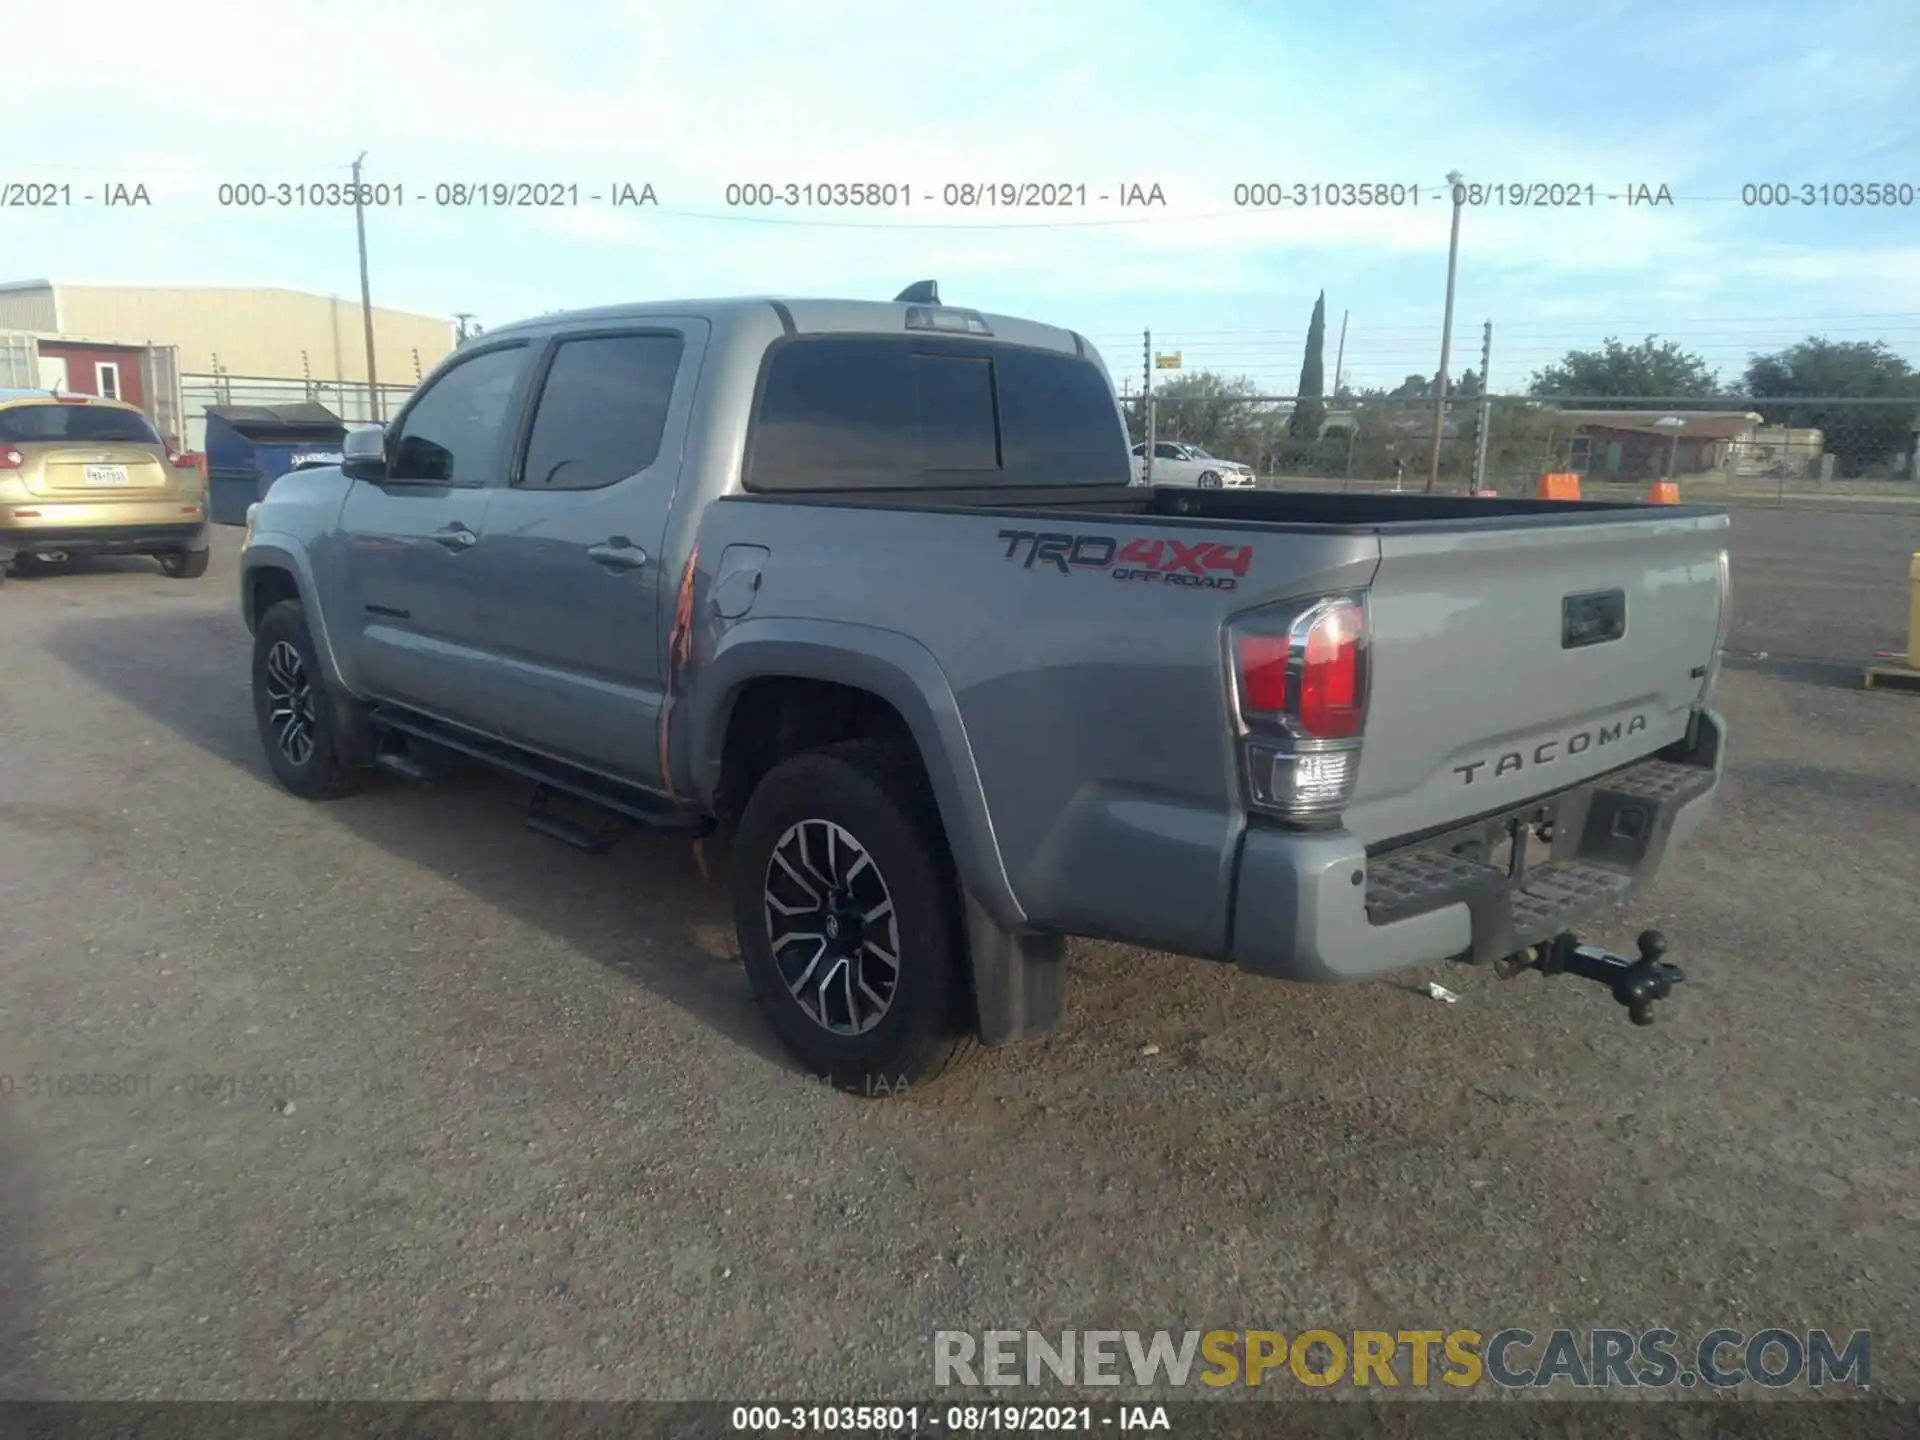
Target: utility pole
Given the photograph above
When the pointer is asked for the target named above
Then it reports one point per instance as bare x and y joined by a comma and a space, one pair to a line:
1485, 422
1458, 194
366, 297
1340, 355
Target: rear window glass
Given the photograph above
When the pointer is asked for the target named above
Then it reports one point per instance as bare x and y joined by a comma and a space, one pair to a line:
866, 412
33, 424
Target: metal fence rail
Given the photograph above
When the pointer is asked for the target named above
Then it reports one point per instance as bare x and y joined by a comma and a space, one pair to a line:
346, 398
1732, 444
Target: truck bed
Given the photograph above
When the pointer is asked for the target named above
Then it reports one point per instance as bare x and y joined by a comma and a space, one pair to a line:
1082, 634
1349, 512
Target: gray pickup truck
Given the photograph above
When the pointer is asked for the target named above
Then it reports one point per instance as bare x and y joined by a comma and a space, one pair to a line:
866, 583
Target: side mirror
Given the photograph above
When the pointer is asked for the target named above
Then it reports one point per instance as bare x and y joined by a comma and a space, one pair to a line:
363, 454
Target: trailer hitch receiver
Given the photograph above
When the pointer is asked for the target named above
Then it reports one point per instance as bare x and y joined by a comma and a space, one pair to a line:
1636, 984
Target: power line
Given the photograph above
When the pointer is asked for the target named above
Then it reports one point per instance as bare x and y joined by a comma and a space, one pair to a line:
943, 225
1582, 328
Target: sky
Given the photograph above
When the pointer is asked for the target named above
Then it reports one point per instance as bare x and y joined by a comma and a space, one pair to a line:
1194, 98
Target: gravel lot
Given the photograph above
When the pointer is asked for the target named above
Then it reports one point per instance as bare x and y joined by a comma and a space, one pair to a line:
528, 1138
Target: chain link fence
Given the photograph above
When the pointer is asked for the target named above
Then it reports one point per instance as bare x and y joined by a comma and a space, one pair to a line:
1733, 445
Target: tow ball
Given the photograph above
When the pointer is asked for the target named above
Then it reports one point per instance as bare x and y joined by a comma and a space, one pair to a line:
1636, 984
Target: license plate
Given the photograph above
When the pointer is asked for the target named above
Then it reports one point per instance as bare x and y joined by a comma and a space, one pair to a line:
106, 474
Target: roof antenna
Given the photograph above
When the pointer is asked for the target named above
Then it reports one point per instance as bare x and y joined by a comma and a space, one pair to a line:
921, 292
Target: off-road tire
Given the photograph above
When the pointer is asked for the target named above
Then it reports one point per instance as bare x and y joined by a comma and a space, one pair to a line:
878, 795
318, 773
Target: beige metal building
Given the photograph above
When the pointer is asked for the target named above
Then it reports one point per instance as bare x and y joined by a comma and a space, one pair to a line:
235, 330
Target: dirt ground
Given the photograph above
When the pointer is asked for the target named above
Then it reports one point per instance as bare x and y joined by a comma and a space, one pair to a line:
398, 1099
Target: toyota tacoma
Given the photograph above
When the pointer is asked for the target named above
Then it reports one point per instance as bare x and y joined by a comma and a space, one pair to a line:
866, 584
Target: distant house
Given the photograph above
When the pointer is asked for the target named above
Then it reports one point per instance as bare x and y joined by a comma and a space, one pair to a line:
1636, 444
1777, 451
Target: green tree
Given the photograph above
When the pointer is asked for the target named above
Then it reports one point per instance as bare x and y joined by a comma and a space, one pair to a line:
1210, 410
1310, 413
1650, 369
1426, 387
1805, 381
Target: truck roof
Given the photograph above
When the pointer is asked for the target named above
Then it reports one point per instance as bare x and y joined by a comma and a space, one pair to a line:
811, 317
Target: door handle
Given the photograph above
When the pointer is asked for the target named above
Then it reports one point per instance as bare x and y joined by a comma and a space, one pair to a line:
619, 553
456, 537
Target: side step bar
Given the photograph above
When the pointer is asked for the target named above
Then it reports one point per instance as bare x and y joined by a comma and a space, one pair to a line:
550, 777
596, 838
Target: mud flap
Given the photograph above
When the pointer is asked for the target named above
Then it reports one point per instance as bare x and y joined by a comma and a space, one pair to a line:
1019, 980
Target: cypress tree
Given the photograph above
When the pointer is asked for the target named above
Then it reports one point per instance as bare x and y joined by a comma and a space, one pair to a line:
1309, 412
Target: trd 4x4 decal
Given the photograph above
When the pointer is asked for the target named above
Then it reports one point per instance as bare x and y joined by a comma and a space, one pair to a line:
1200, 564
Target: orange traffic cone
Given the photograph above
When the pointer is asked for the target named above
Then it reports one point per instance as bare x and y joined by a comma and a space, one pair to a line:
1664, 492
1560, 485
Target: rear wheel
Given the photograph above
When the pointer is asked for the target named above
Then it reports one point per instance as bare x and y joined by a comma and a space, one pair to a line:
293, 709
848, 920
184, 564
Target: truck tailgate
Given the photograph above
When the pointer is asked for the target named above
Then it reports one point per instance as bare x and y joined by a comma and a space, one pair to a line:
1496, 672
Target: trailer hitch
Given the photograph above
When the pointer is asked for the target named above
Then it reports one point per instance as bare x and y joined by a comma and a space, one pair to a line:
1636, 984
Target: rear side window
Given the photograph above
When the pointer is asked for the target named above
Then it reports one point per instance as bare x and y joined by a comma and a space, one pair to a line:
602, 411
865, 412
87, 424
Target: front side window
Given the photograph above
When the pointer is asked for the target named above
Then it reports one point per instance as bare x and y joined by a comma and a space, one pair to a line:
451, 434
602, 411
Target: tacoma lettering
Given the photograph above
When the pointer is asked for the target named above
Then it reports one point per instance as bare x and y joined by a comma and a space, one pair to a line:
1544, 752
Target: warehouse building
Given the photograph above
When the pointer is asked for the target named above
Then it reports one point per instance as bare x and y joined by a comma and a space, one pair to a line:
220, 345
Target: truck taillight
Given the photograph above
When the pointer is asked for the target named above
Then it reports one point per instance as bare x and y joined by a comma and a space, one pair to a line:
1313, 674
1263, 673
1300, 678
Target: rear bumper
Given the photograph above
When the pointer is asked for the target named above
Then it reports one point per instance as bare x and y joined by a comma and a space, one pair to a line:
142, 529
1316, 907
